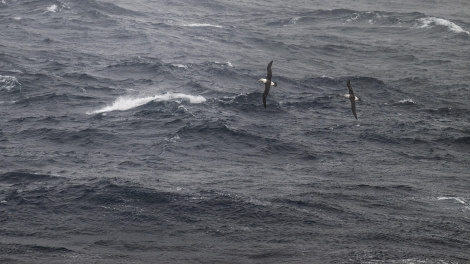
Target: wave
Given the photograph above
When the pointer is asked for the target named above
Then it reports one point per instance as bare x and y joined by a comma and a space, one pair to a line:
58, 7
176, 23
82, 137
411, 20
407, 101
32, 249
105, 8
9, 82
178, 65
345, 16
52, 8
248, 101
126, 103
459, 200
18, 177
455, 201
52, 97
430, 22
375, 17
251, 139
201, 25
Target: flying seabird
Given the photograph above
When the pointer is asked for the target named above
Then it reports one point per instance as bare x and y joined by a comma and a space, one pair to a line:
352, 98
267, 83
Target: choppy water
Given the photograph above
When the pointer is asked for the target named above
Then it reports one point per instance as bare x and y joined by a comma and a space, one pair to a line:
134, 132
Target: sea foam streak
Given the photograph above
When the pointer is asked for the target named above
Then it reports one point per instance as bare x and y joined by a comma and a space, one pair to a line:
202, 25
456, 199
431, 21
126, 103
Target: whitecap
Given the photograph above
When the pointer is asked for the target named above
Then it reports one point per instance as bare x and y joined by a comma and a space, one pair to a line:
355, 17
179, 66
429, 22
293, 21
228, 63
52, 8
173, 139
459, 200
407, 101
8, 82
202, 25
125, 103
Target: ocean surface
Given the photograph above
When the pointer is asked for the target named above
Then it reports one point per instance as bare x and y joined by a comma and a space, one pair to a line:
134, 131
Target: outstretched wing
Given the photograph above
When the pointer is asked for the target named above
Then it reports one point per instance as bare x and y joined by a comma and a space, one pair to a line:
351, 92
267, 86
270, 73
353, 106
352, 98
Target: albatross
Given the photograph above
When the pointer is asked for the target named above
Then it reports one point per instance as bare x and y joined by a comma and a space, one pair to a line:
352, 98
267, 83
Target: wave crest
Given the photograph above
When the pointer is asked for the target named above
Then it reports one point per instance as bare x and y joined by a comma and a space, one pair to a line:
126, 103
8, 82
202, 25
430, 22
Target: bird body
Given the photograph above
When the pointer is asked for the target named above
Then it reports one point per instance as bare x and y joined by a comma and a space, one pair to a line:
263, 80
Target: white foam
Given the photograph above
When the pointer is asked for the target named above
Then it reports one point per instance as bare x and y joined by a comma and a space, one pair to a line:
172, 139
126, 103
457, 199
401, 261
8, 82
293, 21
179, 66
202, 25
228, 63
52, 8
429, 22
354, 18
407, 101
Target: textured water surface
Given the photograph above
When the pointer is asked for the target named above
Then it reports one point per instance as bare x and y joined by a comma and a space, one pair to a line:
134, 132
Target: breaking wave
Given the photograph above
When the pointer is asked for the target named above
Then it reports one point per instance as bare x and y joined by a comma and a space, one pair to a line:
430, 22
8, 82
126, 103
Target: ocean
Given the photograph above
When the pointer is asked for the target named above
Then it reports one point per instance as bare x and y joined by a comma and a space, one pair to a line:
135, 132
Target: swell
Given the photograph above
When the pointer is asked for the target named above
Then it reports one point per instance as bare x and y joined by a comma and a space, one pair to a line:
251, 140
7, 249
19, 177
136, 68
402, 21
91, 201
78, 137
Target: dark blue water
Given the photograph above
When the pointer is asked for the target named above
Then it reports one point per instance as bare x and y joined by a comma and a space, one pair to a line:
134, 132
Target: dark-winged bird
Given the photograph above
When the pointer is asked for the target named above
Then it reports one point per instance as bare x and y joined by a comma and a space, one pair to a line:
267, 83
352, 98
